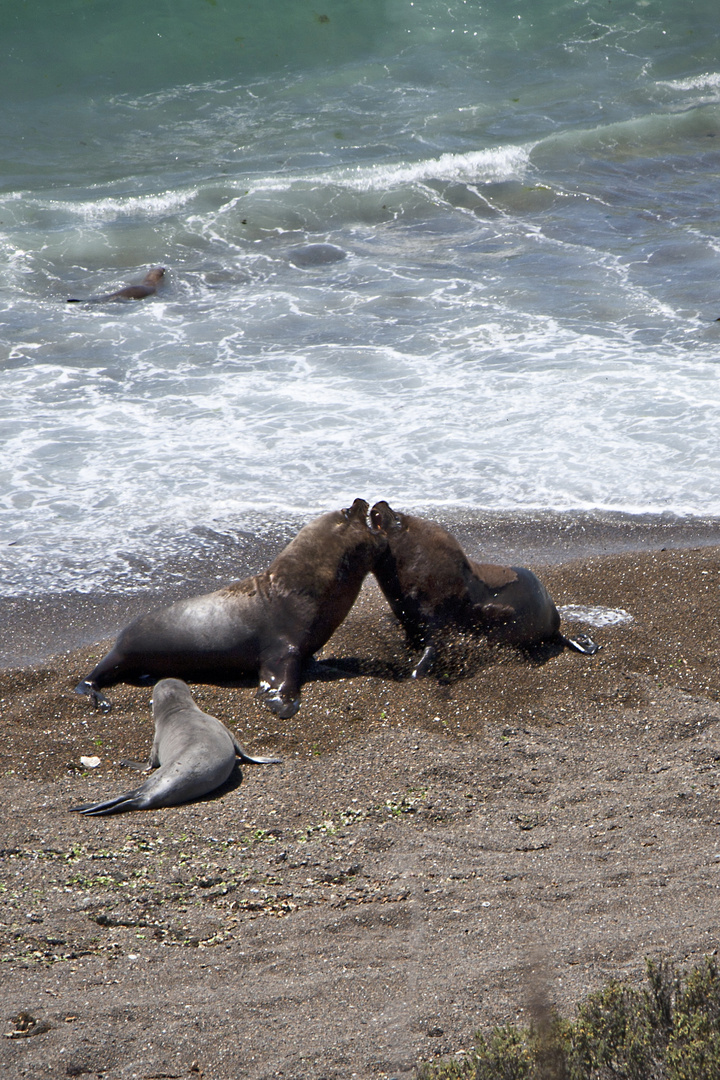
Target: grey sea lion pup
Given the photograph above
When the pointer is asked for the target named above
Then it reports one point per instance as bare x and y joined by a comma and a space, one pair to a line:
431, 584
193, 754
147, 287
270, 624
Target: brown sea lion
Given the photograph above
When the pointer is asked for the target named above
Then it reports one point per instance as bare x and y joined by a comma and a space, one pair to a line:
431, 584
148, 287
270, 624
193, 754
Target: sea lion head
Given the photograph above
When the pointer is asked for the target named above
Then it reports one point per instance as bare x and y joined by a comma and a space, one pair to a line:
352, 522
385, 520
171, 694
154, 277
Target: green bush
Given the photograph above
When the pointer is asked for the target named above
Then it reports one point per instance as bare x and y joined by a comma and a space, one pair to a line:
668, 1029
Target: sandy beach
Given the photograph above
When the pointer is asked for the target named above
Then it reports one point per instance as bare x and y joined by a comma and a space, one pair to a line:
429, 859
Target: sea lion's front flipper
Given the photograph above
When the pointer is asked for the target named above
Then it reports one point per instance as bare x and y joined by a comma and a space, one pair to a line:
425, 662
280, 682
94, 693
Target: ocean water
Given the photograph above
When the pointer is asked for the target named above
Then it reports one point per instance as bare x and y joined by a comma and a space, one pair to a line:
520, 310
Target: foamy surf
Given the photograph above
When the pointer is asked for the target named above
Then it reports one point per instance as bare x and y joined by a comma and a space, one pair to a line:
595, 615
523, 316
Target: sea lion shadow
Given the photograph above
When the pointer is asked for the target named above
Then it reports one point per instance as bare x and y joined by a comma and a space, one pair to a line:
232, 783
332, 668
541, 652
464, 656
460, 657
329, 669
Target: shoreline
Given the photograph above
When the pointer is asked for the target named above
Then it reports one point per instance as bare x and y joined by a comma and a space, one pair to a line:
35, 627
541, 821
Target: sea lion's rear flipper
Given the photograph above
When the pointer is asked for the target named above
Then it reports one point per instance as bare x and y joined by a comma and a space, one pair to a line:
581, 643
280, 682
248, 759
96, 696
131, 800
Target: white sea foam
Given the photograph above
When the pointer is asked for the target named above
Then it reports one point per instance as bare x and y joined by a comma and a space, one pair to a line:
595, 615
478, 166
709, 80
525, 316
109, 208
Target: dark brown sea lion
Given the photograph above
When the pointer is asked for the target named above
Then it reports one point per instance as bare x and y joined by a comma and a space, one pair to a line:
270, 624
148, 287
193, 754
431, 584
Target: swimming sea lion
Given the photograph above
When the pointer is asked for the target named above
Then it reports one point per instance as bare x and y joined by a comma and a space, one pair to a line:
193, 754
316, 255
271, 623
148, 287
431, 584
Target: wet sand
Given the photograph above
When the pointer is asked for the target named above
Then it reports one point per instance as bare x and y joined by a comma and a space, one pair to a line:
428, 858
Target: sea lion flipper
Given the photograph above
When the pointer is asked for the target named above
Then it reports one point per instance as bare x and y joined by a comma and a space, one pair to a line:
581, 643
280, 682
425, 662
140, 766
87, 686
129, 801
248, 759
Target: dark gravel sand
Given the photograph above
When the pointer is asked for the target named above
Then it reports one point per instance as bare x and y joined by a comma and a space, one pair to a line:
428, 859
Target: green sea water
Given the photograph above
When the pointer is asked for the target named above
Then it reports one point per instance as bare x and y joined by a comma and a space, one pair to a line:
522, 313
